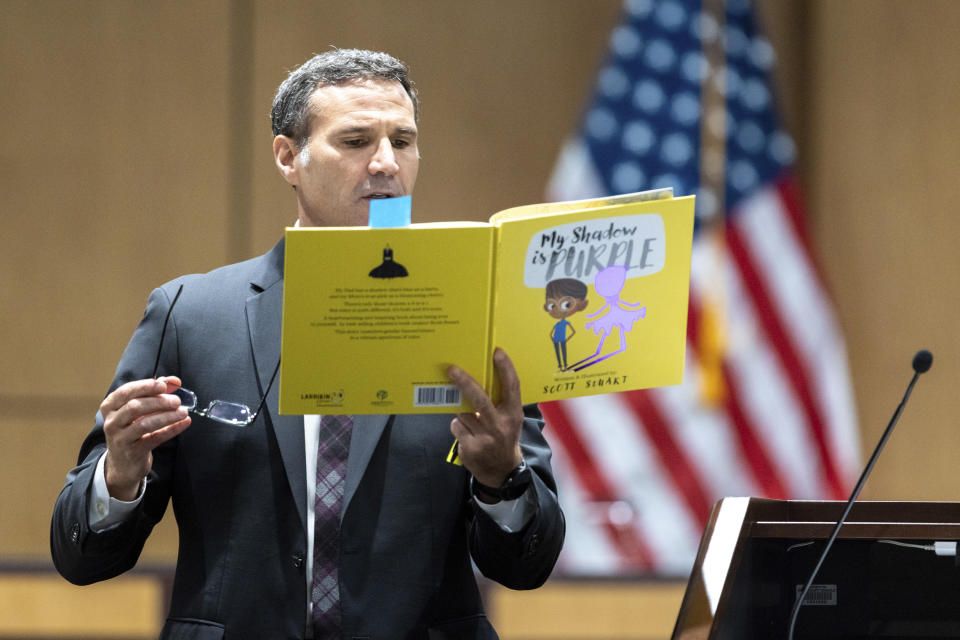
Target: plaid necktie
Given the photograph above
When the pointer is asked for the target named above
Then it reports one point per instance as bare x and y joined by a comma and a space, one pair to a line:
331, 472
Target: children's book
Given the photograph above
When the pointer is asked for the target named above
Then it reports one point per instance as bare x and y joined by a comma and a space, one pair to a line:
585, 296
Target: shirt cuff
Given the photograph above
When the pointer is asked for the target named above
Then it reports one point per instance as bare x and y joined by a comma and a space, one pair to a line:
511, 515
105, 512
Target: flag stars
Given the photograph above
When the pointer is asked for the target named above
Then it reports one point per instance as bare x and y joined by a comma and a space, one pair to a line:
694, 67
665, 180
639, 8
685, 109
704, 28
761, 53
627, 177
646, 122
670, 15
638, 137
676, 149
727, 80
648, 96
613, 83
742, 175
735, 42
660, 55
750, 137
625, 42
754, 95
782, 149
601, 124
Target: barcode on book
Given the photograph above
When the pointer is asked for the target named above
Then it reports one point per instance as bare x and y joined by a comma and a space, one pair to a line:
439, 396
822, 595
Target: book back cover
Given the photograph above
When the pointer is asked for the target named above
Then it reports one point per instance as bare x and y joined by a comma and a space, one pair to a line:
372, 317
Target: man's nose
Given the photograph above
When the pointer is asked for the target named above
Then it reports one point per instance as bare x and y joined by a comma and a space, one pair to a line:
384, 159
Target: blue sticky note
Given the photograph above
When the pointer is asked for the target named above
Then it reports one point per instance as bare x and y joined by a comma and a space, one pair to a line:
390, 212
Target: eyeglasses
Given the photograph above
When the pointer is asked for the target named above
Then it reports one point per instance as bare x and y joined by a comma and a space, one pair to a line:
232, 413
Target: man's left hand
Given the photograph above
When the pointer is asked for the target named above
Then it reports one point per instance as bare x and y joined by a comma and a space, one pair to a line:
490, 437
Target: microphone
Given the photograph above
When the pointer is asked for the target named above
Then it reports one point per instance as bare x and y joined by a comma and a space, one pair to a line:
921, 364
922, 361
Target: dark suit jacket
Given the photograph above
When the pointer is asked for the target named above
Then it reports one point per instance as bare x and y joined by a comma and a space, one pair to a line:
238, 494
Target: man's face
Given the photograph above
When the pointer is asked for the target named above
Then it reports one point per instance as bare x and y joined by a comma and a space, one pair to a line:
362, 145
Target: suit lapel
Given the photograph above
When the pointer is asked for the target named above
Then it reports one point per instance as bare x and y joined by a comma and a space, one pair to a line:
264, 320
264, 315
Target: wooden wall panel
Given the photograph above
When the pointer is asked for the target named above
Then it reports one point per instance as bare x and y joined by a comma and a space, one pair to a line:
113, 170
883, 151
46, 606
586, 611
114, 165
39, 449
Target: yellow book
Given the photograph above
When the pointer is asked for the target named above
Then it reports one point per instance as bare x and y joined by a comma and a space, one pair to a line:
585, 297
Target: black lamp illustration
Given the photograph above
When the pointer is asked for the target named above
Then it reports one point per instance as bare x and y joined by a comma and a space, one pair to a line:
388, 268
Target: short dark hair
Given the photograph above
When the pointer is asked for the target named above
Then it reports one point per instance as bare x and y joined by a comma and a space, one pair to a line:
566, 287
290, 114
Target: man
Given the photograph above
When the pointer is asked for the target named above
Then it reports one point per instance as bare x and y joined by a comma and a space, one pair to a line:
250, 501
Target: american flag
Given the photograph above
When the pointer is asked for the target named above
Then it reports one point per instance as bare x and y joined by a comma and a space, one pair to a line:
684, 101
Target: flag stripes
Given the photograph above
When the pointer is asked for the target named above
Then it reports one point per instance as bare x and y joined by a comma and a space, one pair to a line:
633, 551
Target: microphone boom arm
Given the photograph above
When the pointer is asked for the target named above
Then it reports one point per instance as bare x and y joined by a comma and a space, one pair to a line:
921, 363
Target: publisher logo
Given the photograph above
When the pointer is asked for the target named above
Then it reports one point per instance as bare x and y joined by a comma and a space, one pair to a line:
382, 399
324, 398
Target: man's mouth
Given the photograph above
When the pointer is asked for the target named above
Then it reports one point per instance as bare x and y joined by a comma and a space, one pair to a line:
377, 196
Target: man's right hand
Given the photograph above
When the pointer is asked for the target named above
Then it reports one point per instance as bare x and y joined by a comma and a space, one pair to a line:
137, 417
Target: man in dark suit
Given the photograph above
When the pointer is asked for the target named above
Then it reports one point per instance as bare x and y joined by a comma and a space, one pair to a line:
248, 499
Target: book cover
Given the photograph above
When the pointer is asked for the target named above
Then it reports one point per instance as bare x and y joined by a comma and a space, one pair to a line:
595, 301
586, 297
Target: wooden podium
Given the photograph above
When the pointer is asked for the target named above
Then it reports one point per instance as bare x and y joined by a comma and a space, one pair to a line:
877, 581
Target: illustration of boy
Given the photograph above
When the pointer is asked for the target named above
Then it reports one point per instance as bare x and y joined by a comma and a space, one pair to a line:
565, 296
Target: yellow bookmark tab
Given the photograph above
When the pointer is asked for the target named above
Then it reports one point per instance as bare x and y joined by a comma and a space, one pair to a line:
453, 457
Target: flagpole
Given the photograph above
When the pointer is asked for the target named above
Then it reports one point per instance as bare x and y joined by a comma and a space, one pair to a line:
711, 331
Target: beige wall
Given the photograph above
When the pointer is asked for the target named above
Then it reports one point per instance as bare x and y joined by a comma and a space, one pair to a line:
871, 91
136, 147
884, 151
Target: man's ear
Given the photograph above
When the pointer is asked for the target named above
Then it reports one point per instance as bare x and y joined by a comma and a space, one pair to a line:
582, 304
285, 153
